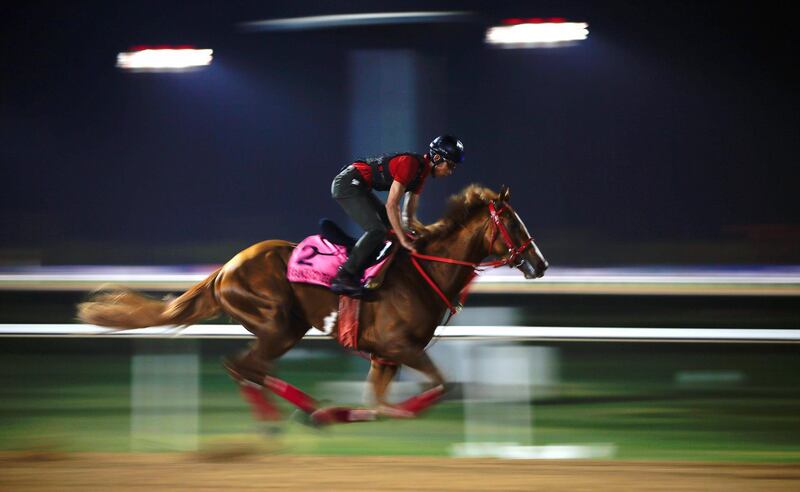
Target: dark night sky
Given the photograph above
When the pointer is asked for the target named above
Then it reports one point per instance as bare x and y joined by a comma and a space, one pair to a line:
675, 122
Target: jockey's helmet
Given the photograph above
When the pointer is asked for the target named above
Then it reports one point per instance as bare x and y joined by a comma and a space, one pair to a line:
448, 147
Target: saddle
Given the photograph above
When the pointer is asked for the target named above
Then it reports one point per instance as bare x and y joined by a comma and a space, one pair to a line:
316, 258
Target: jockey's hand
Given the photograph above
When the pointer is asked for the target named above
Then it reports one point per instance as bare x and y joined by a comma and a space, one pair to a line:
408, 244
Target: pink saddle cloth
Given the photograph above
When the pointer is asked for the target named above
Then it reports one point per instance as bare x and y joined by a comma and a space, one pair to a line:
315, 261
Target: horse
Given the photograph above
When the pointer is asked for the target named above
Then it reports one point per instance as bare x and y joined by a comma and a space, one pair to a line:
396, 323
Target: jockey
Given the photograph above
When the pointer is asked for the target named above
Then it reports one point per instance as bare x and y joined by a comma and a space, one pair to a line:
400, 174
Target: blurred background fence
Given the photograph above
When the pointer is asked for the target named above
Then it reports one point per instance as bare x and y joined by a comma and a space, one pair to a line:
701, 367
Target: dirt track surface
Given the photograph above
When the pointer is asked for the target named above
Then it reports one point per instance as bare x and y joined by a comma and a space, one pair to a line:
156, 472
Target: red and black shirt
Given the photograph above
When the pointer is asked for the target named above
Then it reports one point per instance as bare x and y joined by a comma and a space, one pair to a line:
408, 169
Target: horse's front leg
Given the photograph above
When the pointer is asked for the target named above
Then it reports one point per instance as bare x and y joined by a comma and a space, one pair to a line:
381, 375
419, 360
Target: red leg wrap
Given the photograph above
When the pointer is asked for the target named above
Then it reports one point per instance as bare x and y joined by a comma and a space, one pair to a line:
292, 394
332, 415
263, 409
422, 401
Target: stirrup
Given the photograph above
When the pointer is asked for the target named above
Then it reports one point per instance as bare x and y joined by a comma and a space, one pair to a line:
341, 290
347, 284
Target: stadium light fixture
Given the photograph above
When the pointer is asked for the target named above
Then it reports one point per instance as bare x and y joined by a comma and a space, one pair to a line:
164, 58
536, 33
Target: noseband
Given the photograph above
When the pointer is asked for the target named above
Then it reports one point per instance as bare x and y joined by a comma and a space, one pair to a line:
514, 252
513, 257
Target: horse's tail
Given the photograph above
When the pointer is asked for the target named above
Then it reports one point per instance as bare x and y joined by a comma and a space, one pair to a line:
125, 308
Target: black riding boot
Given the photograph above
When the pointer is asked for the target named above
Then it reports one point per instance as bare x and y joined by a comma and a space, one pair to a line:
345, 283
348, 278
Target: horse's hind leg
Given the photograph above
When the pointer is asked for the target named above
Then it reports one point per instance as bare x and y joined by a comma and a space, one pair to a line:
255, 363
246, 369
251, 367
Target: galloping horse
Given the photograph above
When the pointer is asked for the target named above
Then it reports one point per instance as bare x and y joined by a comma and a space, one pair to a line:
396, 324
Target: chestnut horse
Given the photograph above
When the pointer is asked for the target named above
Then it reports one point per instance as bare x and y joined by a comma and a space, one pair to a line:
395, 325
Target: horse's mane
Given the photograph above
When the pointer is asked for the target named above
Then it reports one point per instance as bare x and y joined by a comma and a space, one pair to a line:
461, 209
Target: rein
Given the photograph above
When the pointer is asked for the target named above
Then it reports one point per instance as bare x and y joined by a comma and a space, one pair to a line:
500, 229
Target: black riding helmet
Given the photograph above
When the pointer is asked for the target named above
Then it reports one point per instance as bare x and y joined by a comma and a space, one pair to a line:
448, 147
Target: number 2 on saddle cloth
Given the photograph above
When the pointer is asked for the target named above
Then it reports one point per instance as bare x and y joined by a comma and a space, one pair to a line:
316, 259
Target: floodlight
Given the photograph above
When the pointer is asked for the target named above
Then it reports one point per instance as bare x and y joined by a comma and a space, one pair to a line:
164, 58
536, 33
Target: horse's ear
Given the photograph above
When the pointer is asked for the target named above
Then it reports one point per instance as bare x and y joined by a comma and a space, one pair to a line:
505, 193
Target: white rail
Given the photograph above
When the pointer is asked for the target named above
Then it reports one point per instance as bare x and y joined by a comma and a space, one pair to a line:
541, 333
776, 281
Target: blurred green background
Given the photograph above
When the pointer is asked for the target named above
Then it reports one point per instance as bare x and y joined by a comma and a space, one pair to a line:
675, 401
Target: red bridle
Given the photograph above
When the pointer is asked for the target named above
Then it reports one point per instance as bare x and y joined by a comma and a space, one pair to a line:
513, 252
499, 229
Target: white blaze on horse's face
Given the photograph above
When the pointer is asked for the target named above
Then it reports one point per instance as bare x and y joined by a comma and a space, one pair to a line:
533, 263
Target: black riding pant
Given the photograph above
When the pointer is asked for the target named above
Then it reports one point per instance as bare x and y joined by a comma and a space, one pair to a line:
367, 210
